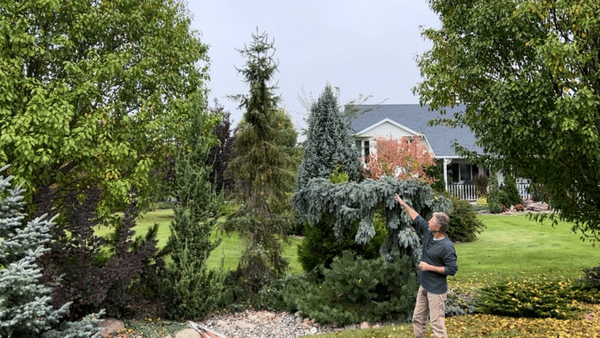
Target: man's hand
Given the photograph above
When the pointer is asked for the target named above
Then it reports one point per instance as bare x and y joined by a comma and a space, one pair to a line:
397, 198
428, 267
411, 212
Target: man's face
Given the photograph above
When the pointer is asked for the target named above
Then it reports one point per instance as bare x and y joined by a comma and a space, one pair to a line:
433, 225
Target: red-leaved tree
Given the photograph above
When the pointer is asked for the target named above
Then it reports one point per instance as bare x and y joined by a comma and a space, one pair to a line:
402, 158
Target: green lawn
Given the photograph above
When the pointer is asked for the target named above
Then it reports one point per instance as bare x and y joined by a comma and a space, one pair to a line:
511, 247
229, 251
514, 246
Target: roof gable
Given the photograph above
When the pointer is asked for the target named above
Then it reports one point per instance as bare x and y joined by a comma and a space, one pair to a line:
416, 118
368, 130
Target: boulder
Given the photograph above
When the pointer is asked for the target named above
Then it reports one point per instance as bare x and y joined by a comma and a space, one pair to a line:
538, 207
110, 326
364, 325
188, 333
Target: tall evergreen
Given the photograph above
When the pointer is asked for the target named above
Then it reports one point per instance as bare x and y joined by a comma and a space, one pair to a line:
264, 169
25, 303
328, 144
189, 288
329, 149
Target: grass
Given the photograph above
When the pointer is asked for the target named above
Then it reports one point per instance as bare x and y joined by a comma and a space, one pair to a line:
510, 247
514, 247
228, 252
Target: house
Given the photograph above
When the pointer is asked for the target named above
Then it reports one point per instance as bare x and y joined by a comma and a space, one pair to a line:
410, 120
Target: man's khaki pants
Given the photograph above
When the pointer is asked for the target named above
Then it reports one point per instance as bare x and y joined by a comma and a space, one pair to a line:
433, 306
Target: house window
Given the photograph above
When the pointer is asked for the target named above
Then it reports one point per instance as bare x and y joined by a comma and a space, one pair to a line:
358, 144
366, 147
458, 172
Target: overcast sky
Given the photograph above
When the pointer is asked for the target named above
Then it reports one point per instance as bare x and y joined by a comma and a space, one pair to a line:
362, 47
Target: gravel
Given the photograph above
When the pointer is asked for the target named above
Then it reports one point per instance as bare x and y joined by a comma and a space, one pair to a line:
264, 324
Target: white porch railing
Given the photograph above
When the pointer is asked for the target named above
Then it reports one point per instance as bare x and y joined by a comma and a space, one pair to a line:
467, 191
463, 191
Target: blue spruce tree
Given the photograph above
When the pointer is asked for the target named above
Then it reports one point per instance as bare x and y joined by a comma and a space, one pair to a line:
25, 303
328, 143
329, 153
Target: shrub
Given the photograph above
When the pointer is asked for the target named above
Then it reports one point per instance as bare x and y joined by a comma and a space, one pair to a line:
189, 289
356, 289
512, 192
437, 173
464, 225
320, 246
534, 298
494, 204
99, 273
504, 199
481, 183
539, 193
482, 201
591, 277
459, 305
519, 207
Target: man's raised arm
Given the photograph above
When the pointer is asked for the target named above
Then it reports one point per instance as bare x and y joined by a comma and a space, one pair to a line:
411, 212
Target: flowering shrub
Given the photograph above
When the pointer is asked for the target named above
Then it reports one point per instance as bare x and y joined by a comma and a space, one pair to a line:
519, 207
504, 208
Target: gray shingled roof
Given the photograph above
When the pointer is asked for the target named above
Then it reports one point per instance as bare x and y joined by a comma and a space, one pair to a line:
416, 117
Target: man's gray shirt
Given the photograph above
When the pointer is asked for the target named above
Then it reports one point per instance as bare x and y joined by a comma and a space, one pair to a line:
437, 253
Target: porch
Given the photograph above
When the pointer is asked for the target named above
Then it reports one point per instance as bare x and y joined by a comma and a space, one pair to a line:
466, 191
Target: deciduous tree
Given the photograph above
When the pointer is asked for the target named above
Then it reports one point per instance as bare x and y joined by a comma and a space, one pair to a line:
528, 74
403, 158
95, 92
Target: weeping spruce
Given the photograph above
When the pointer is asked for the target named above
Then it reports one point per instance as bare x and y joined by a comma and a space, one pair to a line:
264, 168
352, 202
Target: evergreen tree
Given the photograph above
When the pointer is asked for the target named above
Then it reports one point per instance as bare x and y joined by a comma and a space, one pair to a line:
25, 303
190, 290
494, 204
328, 151
264, 169
511, 190
357, 202
329, 144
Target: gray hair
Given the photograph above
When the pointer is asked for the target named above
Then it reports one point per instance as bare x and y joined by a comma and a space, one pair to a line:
443, 221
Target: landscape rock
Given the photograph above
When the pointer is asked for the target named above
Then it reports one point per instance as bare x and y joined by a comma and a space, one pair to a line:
350, 327
538, 207
110, 326
313, 330
188, 333
364, 325
244, 325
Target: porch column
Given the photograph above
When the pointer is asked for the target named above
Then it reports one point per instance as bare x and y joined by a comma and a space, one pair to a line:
446, 162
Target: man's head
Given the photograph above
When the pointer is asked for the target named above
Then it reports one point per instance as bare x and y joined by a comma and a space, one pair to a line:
440, 222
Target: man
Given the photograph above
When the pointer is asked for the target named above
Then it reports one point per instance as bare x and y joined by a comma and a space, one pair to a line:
438, 260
